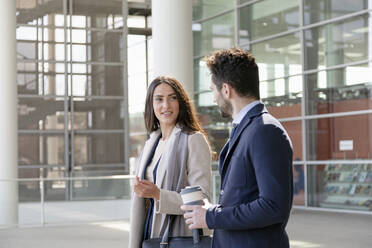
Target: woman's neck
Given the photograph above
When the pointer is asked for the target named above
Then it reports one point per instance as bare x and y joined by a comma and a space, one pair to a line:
166, 131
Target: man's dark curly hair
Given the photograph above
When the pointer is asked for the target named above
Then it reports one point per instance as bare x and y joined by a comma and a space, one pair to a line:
236, 67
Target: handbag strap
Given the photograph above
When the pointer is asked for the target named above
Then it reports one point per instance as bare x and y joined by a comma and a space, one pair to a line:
196, 234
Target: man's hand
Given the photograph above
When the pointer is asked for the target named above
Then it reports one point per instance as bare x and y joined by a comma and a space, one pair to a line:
195, 215
146, 189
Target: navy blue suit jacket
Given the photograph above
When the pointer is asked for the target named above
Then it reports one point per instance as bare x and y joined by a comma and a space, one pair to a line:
256, 185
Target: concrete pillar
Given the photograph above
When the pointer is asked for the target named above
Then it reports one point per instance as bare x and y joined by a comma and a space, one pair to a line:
172, 41
8, 115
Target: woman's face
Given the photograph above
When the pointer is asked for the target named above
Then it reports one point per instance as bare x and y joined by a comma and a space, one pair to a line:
165, 105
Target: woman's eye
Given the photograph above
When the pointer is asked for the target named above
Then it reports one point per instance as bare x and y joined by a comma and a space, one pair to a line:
174, 98
158, 99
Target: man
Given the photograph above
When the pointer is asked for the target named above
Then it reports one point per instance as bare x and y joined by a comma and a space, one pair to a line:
255, 165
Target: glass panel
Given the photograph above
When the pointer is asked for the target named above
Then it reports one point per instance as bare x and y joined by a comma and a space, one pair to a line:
28, 79
138, 137
339, 90
266, 18
206, 8
40, 114
40, 43
39, 12
137, 89
28, 191
26, 33
294, 130
134, 40
98, 114
345, 186
214, 34
321, 10
41, 78
36, 149
97, 80
27, 50
283, 96
278, 57
96, 14
137, 56
202, 76
136, 21
217, 127
101, 149
348, 137
100, 189
102, 46
298, 185
337, 43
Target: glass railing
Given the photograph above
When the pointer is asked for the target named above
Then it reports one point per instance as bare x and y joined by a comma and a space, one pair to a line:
76, 201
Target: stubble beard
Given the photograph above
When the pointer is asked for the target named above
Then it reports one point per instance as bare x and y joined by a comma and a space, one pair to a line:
226, 109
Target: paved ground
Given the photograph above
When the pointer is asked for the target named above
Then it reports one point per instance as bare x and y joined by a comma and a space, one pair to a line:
306, 229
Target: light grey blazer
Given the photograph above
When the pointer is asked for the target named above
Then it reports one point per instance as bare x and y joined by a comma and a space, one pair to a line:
199, 173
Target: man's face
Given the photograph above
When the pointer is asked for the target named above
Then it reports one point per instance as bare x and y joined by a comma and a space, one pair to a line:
223, 103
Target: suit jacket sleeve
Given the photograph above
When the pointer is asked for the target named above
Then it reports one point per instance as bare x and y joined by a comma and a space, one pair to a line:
270, 153
199, 173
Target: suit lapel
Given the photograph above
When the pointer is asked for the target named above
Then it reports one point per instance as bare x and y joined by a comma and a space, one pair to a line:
255, 111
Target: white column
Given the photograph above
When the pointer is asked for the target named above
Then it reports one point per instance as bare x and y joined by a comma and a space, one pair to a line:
172, 41
8, 115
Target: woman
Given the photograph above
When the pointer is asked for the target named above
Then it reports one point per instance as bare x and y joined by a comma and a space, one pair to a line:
176, 155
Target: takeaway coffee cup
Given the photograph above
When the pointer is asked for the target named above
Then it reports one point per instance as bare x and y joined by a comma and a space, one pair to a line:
192, 195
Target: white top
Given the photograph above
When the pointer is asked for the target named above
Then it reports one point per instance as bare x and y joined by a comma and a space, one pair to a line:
155, 159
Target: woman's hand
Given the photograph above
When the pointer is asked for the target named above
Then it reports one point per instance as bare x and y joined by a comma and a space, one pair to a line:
146, 189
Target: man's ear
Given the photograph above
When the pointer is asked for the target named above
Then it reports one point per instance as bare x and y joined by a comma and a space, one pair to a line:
226, 90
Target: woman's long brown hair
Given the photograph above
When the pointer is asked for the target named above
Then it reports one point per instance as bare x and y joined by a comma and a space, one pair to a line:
187, 118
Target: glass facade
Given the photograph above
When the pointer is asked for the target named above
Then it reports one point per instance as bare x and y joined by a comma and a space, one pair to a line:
315, 62
81, 105
72, 111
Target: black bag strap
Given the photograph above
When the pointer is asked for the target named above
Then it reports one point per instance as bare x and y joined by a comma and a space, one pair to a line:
196, 234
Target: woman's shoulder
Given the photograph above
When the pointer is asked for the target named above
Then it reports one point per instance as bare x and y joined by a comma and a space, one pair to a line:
197, 138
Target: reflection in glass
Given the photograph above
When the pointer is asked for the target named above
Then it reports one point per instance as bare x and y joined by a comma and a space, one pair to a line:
97, 80
344, 186
214, 34
40, 114
102, 46
97, 14
98, 114
339, 90
266, 18
36, 149
216, 127
278, 57
137, 93
40, 78
99, 149
207, 8
284, 93
202, 78
338, 138
337, 43
321, 10
100, 189
294, 130
298, 185
39, 12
